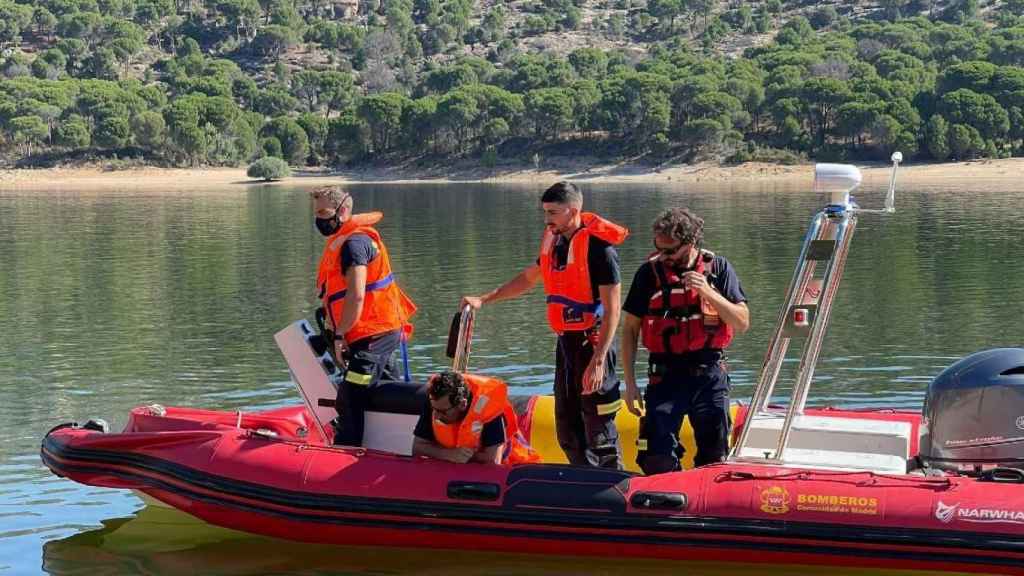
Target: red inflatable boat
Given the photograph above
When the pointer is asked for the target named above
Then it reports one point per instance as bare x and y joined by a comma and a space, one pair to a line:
941, 490
260, 473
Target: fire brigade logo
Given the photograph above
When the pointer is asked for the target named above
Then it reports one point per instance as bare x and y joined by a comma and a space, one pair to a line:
945, 512
1020, 422
775, 500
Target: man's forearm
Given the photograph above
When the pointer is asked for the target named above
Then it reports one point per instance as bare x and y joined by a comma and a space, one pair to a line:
733, 314
628, 349
517, 286
352, 309
421, 447
350, 314
611, 299
489, 455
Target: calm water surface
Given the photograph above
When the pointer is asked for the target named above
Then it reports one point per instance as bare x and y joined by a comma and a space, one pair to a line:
114, 299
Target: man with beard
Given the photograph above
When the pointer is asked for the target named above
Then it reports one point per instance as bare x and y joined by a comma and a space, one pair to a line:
580, 271
686, 303
364, 311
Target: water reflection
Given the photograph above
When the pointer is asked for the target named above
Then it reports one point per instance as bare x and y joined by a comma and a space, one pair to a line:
174, 298
161, 541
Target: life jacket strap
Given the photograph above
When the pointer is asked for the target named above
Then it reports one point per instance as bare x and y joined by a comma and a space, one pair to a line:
372, 286
595, 308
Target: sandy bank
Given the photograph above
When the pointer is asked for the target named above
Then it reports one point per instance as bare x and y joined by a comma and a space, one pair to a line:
1006, 172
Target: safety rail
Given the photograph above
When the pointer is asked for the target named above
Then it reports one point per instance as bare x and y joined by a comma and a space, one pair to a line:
808, 304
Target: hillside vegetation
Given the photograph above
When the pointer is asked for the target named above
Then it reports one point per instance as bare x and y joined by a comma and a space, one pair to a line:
351, 82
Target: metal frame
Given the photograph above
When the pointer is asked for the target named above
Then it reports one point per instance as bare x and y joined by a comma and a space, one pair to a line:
827, 241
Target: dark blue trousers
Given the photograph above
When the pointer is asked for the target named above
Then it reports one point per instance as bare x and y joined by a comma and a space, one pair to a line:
676, 390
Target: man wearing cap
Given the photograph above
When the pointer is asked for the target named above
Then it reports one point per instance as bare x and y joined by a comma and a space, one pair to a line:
363, 311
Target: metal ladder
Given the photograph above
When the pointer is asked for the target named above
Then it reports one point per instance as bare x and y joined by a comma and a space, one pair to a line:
808, 303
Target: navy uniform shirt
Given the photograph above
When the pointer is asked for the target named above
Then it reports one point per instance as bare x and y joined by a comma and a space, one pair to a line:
723, 278
359, 250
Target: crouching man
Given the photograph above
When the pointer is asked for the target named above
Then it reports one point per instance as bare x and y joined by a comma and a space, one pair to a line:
469, 418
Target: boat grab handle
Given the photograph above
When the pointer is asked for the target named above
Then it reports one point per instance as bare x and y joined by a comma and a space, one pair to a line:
659, 500
473, 491
1004, 475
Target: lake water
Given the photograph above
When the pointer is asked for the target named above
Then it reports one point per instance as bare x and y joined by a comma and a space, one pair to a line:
112, 299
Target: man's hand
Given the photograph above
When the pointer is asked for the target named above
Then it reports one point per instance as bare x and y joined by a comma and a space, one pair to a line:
459, 455
634, 400
474, 302
340, 349
697, 281
594, 375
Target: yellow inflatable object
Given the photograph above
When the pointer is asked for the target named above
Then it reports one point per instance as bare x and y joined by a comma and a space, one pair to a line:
545, 442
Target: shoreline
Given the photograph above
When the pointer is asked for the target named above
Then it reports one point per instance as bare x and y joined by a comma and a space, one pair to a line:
1004, 171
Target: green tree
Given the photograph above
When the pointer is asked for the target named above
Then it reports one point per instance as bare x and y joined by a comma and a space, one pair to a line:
271, 147
886, 133
347, 137
274, 40
382, 113
44, 21
269, 169
823, 96
275, 101
149, 130
937, 138
550, 110
28, 132
14, 20
854, 119
980, 111
315, 127
73, 132
103, 64
703, 134
448, 78
293, 139
965, 142
112, 132
126, 39
591, 63
974, 76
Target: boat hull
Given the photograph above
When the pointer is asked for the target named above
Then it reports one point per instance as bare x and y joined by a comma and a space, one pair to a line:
255, 473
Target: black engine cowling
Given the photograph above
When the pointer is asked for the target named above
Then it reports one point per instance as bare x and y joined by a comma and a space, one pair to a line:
974, 413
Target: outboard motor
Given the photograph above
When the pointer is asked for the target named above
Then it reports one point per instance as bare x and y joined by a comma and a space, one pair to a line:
974, 413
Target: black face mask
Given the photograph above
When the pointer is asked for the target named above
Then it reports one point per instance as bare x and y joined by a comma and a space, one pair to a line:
328, 226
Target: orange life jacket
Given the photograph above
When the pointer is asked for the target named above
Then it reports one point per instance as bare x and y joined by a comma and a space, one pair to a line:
678, 320
489, 401
570, 298
385, 307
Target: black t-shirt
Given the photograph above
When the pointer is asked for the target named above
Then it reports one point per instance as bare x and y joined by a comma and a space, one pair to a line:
723, 278
358, 250
492, 434
602, 262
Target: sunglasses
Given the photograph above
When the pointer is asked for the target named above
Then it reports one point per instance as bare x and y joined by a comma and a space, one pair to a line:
670, 251
449, 411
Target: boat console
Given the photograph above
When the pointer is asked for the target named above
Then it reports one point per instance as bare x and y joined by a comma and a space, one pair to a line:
394, 406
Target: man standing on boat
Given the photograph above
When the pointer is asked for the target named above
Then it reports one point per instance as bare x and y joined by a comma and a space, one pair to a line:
364, 311
579, 268
686, 303
469, 418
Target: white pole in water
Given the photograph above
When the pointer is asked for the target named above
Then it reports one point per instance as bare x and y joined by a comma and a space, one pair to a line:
890, 198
